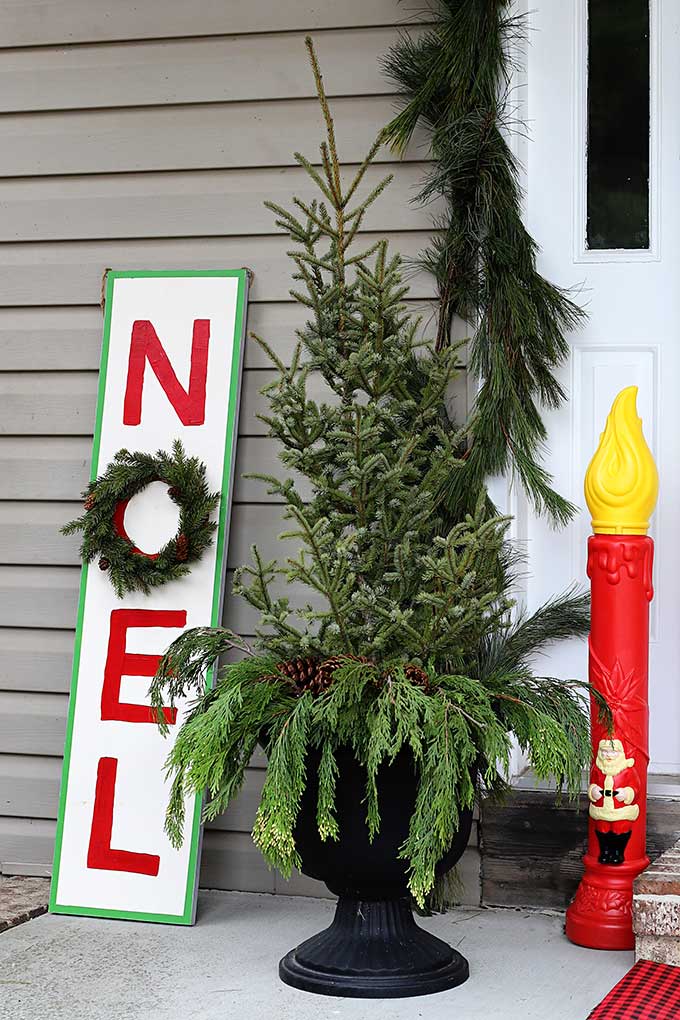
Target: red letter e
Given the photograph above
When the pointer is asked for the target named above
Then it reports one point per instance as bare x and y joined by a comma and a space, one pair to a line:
120, 663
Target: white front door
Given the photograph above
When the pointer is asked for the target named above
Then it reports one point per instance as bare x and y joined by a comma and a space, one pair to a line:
603, 179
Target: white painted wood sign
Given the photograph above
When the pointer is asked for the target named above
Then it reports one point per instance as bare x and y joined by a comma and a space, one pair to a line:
112, 857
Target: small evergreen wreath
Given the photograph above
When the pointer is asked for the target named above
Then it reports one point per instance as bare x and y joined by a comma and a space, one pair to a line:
104, 535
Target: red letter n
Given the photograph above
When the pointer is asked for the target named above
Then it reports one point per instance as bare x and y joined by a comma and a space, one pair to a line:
120, 663
100, 853
145, 346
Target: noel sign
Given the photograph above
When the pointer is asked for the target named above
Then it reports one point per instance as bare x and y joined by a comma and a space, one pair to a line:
170, 370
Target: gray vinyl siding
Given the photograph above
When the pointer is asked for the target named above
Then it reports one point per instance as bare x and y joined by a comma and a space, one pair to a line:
147, 135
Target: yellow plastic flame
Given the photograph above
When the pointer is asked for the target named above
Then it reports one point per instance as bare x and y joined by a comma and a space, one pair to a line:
622, 483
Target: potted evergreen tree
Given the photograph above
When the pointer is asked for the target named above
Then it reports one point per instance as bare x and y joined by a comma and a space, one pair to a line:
389, 670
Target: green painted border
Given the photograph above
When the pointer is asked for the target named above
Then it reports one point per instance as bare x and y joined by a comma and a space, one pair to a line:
188, 916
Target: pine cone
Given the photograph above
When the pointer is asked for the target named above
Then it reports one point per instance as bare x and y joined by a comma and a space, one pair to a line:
104, 564
90, 501
181, 548
417, 676
325, 672
301, 672
308, 674
174, 492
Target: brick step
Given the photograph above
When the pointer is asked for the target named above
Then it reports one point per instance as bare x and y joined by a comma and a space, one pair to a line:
656, 909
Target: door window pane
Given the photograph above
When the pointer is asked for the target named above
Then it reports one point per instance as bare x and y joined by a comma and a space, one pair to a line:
618, 124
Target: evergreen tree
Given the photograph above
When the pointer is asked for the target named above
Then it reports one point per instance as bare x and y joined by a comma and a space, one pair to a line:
407, 639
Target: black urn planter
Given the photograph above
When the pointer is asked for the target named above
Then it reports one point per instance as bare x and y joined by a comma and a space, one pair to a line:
373, 948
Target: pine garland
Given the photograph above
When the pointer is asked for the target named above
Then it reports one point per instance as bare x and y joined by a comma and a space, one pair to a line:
129, 473
411, 626
455, 80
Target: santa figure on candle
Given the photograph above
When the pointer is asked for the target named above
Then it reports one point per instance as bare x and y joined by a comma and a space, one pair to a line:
612, 797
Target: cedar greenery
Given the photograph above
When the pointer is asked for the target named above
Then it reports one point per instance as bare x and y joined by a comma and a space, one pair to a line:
460, 723
401, 582
126, 475
455, 80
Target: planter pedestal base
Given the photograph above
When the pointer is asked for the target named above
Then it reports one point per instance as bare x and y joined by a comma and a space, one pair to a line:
373, 950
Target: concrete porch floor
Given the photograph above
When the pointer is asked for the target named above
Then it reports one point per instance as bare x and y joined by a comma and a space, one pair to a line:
54, 968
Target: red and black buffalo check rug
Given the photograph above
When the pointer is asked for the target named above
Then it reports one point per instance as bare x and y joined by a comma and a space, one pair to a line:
650, 991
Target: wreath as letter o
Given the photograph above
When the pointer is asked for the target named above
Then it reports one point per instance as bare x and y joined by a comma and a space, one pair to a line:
104, 536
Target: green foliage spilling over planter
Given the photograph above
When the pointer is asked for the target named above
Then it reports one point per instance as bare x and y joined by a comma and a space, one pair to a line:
407, 639
455, 723
455, 80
